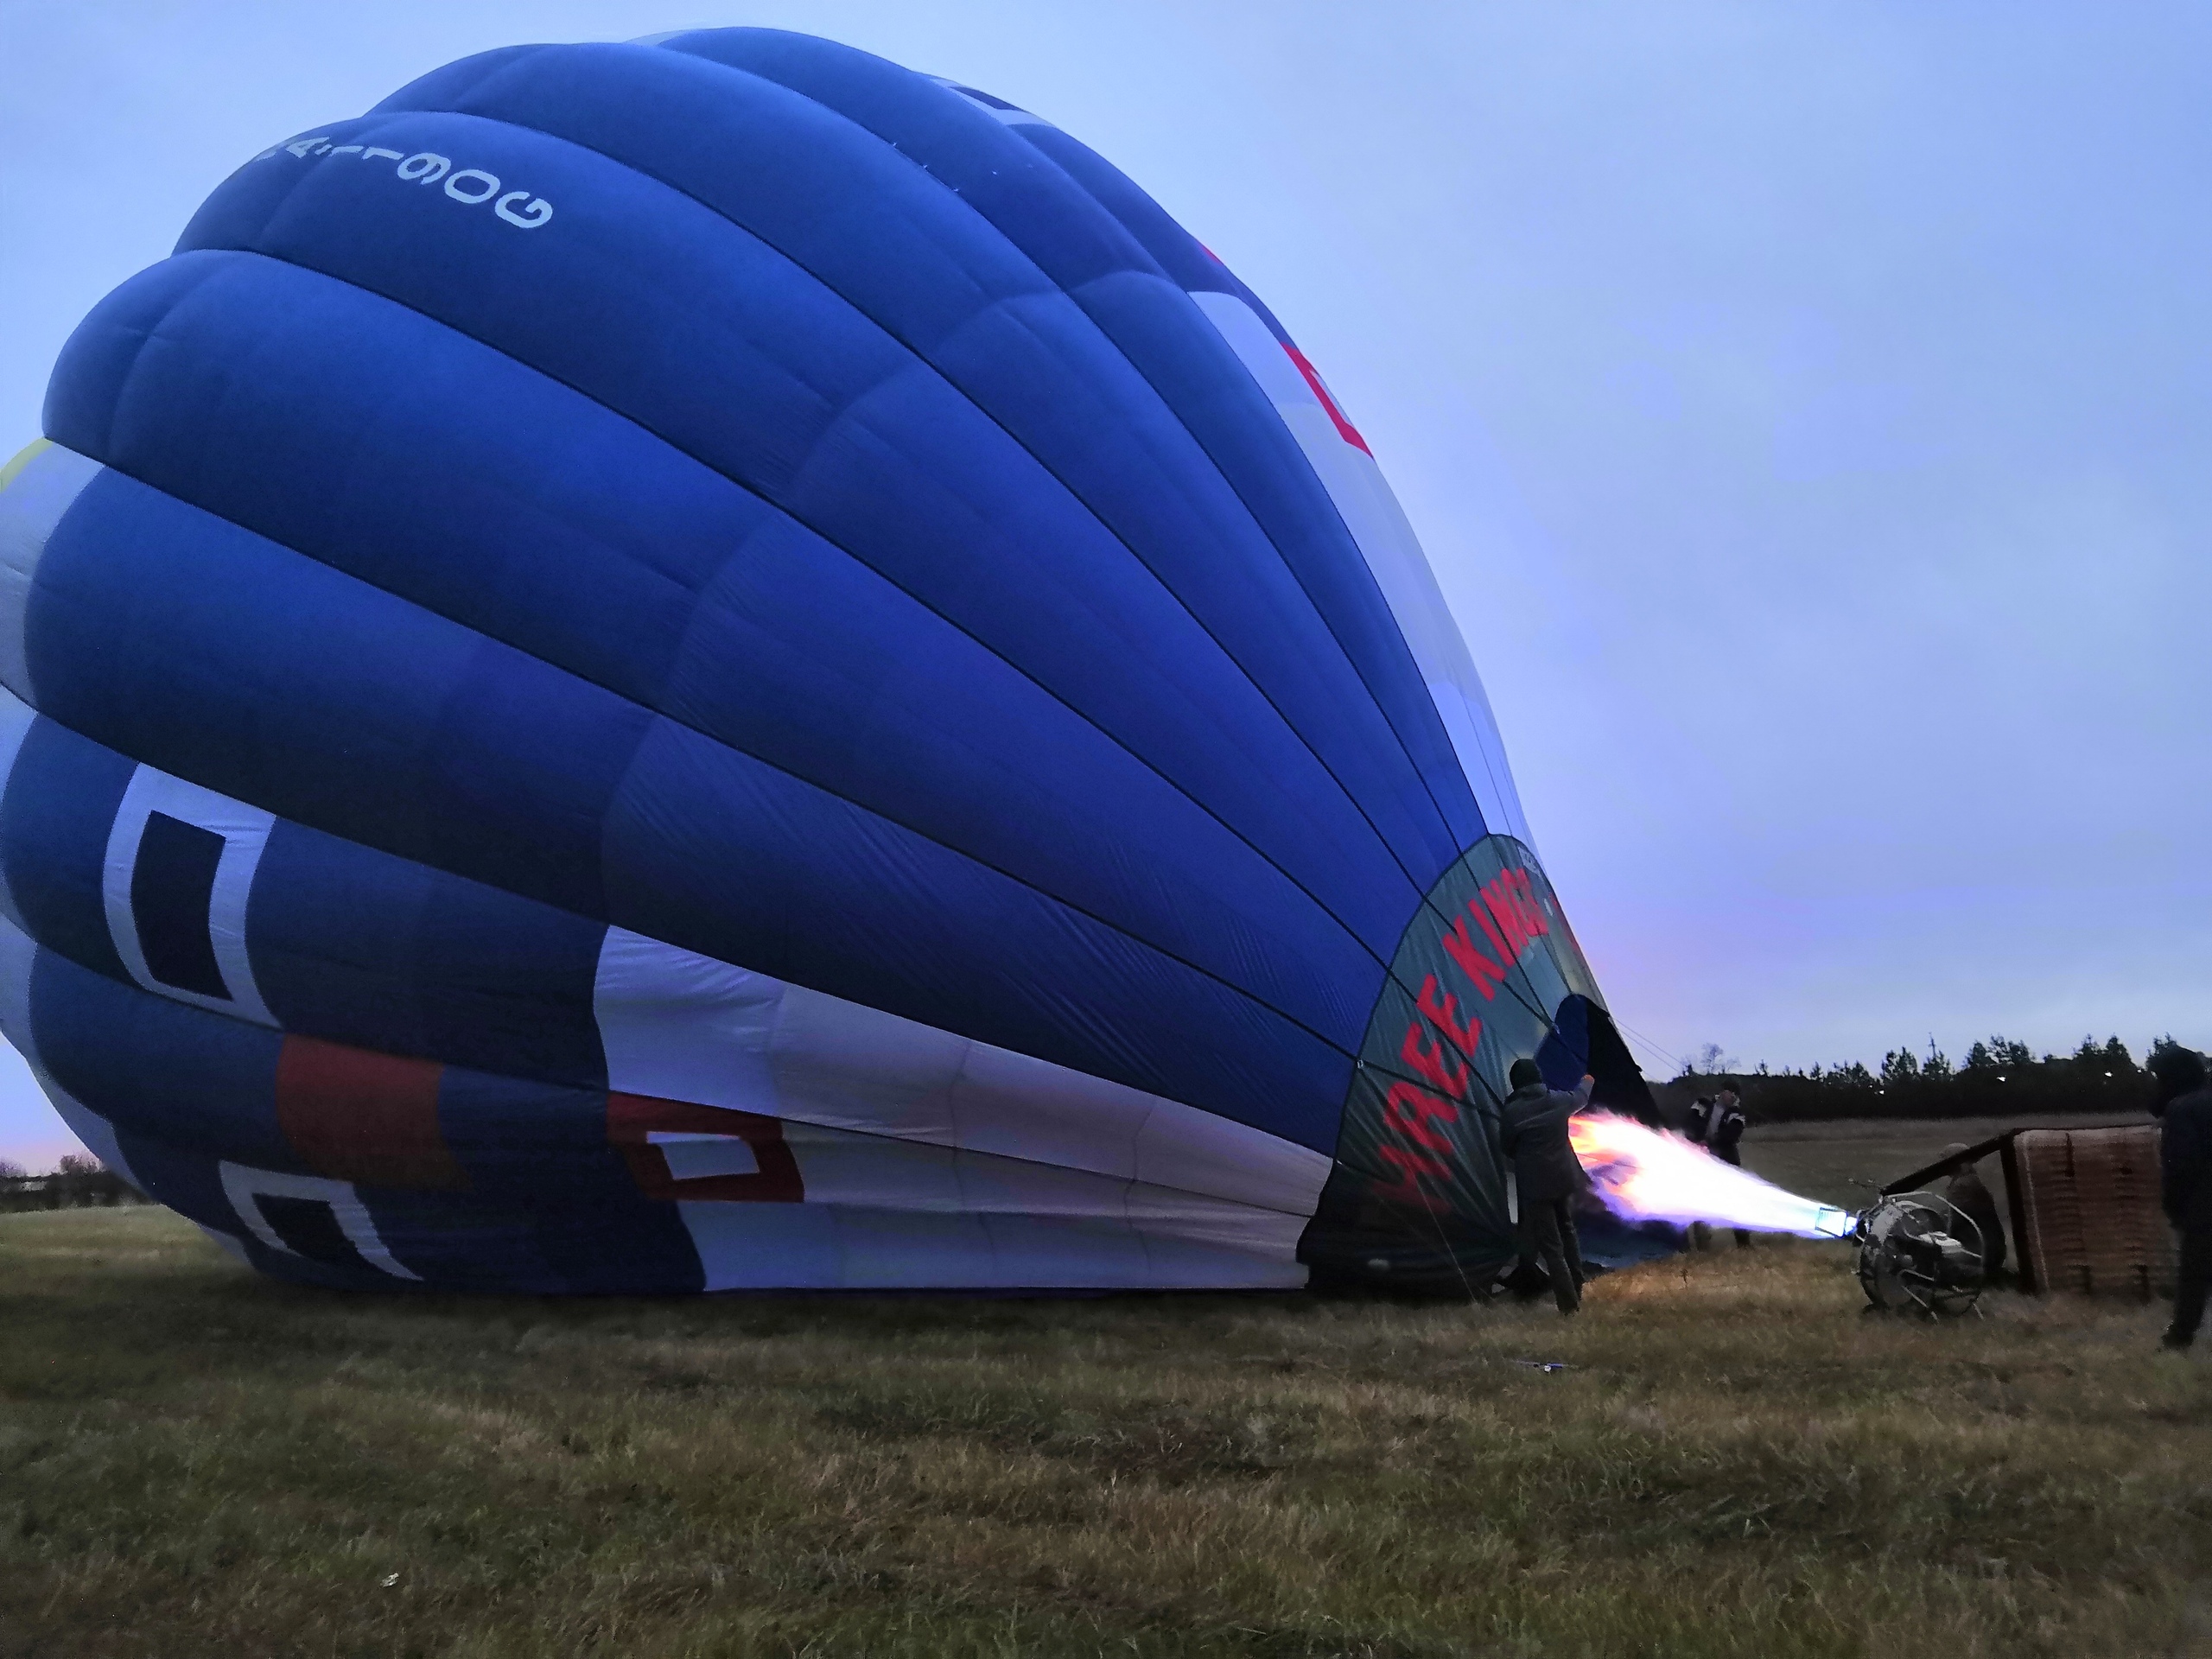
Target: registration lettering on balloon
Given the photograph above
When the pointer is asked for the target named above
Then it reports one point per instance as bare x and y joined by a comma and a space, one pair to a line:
471, 186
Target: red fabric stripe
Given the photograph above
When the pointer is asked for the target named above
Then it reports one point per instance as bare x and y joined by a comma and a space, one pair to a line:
354, 1114
631, 1118
1345, 431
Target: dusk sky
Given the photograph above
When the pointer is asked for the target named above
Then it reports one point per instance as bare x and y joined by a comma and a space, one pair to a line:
1805, 409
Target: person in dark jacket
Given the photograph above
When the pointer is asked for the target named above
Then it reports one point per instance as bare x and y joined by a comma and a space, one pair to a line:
1970, 1193
2185, 1180
1717, 1124
1547, 1175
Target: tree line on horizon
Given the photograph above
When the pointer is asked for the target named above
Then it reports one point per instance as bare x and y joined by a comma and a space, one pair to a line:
79, 1180
1998, 1078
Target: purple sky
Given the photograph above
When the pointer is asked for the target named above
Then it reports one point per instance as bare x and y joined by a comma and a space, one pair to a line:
1806, 409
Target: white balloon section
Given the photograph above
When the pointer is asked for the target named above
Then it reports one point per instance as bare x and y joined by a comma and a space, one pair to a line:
1645, 1174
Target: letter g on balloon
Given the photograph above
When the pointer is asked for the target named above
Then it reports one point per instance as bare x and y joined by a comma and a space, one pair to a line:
539, 210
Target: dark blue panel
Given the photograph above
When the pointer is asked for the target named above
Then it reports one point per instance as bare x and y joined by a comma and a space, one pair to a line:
172, 896
416, 458
309, 1228
349, 943
82, 394
460, 1244
1177, 253
359, 947
1188, 264
795, 652
542, 1154
558, 1233
55, 818
189, 1181
918, 262
1183, 355
154, 1067
839, 898
301, 1270
530, 1144
1054, 221
220, 657
845, 207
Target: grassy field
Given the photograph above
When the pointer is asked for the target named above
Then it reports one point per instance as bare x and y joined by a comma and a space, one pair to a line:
1735, 1461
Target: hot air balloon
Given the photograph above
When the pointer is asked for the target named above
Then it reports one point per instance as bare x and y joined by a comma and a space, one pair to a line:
710, 664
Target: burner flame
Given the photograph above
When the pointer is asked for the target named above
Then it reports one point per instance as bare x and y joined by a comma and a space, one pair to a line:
1646, 1174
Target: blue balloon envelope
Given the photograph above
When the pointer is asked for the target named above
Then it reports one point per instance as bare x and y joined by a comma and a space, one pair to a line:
711, 664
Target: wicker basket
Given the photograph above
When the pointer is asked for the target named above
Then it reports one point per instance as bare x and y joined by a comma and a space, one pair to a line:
2085, 1211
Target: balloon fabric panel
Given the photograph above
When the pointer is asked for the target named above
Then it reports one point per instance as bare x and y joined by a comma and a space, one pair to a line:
61, 796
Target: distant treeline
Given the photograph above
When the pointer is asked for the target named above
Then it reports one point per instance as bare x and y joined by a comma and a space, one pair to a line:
76, 1182
1998, 1078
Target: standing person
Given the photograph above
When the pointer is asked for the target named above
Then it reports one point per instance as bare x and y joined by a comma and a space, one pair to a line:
1547, 1175
1700, 1117
2185, 1180
1717, 1124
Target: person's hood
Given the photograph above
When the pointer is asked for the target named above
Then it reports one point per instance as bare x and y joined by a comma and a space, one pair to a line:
2178, 1070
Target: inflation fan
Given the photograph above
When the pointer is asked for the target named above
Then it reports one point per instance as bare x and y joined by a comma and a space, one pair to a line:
1918, 1252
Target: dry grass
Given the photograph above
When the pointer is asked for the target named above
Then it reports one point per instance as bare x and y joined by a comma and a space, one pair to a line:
196, 1462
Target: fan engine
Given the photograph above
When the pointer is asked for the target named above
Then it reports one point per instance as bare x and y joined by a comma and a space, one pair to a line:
1920, 1253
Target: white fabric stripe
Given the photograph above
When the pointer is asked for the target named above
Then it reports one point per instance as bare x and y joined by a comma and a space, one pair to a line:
695, 1157
682, 1026
40, 485
242, 1184
18, 956
846, 1246
1147, 1235
842, 1166
245, 831
1364, 500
